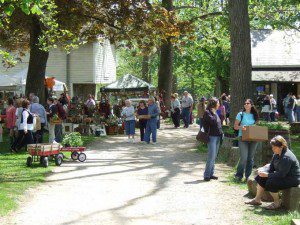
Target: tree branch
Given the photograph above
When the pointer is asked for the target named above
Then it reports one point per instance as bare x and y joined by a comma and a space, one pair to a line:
204, 16
186, 7
101, 20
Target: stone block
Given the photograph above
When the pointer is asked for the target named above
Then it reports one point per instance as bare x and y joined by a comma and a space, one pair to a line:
233, 156
291, 199
295, 128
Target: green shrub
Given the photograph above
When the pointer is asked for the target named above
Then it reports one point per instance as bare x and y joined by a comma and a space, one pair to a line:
274, 125
73, 140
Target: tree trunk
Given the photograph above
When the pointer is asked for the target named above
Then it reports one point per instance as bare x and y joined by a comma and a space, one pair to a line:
240, 68
145, 68
175, 84
37, 63
165, 71
193, 88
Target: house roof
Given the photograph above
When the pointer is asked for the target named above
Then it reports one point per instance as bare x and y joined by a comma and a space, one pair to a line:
277, 76
128, 83
275, 48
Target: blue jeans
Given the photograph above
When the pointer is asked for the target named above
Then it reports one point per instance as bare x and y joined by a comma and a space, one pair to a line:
186, 115
291, 115
298, 113
151, 128
130, 127
247, 151
213, 148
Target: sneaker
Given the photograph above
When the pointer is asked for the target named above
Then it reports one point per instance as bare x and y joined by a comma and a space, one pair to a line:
237, 179
128, 141
206, 179
214, 178
153, 143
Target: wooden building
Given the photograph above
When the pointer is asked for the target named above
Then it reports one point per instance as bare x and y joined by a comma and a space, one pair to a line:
82, 69
276, 63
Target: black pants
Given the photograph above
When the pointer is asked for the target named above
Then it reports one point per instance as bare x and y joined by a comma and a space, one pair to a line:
276, 184
272, 116
142, 125
39, 134
58, 133
22, 140
176, 117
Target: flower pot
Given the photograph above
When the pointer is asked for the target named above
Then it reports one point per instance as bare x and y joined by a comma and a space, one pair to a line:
112, 130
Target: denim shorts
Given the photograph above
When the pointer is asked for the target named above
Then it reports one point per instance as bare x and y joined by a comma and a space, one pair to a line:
130, 127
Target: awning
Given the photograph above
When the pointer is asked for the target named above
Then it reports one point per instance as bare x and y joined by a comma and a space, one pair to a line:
128, 83
278, 76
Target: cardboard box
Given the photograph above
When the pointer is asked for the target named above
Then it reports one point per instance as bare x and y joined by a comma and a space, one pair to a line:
145, 117
255, 133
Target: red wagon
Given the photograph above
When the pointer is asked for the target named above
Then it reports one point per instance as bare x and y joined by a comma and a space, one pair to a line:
76, 153
42, 152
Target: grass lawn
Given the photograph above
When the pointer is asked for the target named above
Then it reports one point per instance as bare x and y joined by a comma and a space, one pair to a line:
16, 177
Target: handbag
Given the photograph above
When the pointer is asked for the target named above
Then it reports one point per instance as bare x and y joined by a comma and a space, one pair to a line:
236, 132
202, 136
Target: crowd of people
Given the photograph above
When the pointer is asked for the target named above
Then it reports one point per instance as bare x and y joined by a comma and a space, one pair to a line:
26, 120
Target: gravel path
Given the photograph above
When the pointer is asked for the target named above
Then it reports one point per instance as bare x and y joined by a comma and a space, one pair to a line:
132, 183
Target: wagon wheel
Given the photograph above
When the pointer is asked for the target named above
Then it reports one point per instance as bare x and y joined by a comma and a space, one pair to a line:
42, 159
82, 157
29, 161
74, 155
45, 162
61, 155
58, 160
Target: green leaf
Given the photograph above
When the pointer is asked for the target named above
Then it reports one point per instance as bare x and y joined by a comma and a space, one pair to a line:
36, 10
9, 10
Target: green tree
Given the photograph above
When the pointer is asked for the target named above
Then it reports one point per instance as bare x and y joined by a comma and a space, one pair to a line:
70, 23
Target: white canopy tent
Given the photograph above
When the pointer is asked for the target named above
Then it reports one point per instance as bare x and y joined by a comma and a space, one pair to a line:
17, 82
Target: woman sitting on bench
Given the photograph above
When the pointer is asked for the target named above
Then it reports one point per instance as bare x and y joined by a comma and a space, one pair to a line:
283, 172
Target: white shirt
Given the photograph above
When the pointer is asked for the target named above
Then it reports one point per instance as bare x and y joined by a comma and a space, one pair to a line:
25, 126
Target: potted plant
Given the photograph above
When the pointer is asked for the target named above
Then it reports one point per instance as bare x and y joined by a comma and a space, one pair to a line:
72, 140
111, 125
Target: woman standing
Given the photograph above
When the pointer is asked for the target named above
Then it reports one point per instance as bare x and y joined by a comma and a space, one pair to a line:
221, 112
175, 111
25, 136
201, 107
266, 109
128, 115
248, 117
298, 108
11, 119
142, 110
283, 172
213, 127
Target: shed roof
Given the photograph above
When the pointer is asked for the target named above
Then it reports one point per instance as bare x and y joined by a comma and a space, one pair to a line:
277, 76
275, 48
128, 83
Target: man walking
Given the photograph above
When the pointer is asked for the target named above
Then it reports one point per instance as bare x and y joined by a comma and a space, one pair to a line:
151, 127
187, 108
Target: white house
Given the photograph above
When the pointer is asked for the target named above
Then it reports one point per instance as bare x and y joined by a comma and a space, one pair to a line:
82, 69
276, 62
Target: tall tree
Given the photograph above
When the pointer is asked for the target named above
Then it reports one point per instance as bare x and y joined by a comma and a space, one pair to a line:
240, 68
165, 71
67, 24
